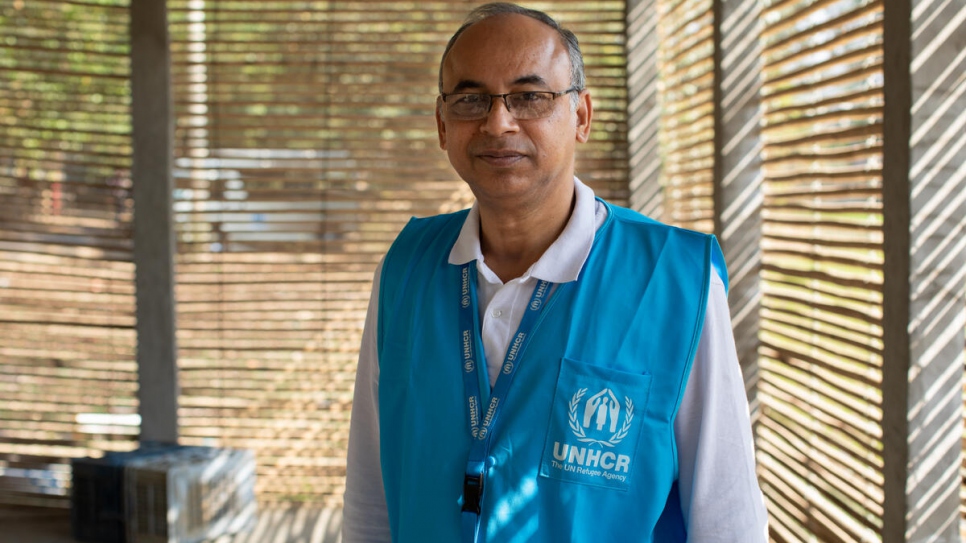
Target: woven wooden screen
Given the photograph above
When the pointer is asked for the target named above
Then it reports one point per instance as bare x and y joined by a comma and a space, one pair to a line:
305, 141
686, 94
67, 371
820, 433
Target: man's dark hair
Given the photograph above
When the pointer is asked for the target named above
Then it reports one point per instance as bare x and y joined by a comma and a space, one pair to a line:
577, 78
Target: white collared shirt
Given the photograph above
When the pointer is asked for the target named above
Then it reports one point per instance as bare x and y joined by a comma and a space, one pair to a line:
720, 497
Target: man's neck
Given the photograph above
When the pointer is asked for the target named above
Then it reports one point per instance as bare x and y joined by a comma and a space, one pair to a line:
513, 239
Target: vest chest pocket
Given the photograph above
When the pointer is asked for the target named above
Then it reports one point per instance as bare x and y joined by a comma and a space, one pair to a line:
595, 425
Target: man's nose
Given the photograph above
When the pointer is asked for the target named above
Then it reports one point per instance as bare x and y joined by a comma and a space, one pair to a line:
499, 120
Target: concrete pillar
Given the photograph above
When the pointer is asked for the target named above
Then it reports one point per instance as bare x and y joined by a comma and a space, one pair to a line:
924, 197
151, 173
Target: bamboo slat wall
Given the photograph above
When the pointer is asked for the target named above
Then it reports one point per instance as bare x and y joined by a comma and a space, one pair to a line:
67, 371
821, 333
686, 93
305, 141
819, 385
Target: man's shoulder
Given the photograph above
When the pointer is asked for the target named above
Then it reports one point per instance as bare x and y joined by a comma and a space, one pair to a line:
443, 221
422, 234
628, 216
432, 225
701, 245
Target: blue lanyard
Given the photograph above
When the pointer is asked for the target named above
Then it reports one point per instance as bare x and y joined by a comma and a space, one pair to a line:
483, 423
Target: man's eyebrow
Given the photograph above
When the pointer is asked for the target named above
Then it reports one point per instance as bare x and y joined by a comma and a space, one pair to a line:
466, 84
532, 79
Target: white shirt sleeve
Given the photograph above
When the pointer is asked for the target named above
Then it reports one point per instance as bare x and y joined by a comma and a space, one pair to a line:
720, 496
365, 517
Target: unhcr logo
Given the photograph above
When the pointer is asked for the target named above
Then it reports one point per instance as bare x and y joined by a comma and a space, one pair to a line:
465, 288
584, 461
600, 416
597, 422
488, 419
514, 351
468, 363
539, 295
594, 435
474, 416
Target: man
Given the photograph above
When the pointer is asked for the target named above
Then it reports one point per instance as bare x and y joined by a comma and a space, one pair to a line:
545, 367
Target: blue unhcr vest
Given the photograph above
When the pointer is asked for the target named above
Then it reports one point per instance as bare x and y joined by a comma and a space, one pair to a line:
585, 448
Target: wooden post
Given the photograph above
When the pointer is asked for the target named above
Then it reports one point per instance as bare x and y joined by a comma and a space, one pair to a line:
737, 170
643, 113
151, 172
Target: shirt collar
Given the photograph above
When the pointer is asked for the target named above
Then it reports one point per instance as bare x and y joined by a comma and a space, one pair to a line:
560, 263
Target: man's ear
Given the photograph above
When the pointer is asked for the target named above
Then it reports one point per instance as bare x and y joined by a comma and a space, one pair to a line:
440, 125
585, 112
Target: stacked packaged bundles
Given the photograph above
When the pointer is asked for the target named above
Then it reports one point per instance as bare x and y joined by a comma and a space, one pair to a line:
171, 495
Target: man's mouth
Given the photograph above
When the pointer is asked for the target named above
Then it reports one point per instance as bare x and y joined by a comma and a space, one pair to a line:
500, 157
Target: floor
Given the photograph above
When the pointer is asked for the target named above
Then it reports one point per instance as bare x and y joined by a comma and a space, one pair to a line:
275, 525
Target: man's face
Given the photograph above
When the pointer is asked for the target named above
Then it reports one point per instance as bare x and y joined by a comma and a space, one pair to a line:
501, 157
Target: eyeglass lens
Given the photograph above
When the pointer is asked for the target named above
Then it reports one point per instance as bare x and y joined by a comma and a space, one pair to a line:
522, 105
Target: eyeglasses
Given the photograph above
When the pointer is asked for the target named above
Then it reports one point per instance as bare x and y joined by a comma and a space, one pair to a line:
522, 105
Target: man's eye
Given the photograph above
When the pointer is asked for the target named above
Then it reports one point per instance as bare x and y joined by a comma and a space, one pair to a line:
469, 99
530, 97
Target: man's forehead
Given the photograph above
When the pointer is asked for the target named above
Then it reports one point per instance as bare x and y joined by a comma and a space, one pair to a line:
506, 50
531, 80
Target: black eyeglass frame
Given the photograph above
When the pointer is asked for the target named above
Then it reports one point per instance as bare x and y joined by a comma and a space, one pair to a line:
489, 107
